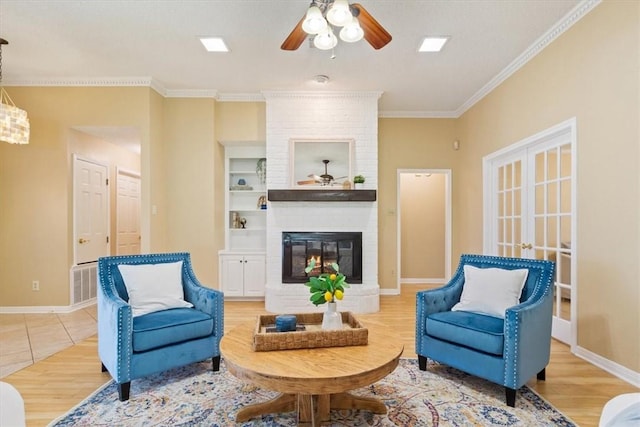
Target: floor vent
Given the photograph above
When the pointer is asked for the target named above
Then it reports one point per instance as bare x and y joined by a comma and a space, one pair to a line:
84, 282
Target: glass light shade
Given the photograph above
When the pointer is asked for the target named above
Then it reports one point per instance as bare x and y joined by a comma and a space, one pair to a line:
339, 13
352, 32
14, 123
314, 22
325, 40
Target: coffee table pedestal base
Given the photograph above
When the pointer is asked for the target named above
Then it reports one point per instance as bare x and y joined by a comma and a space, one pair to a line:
313, 410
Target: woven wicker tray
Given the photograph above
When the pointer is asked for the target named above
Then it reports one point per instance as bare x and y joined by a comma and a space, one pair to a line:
352, 333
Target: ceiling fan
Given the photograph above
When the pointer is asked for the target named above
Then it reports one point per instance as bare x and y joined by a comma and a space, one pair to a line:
371, 30
325, 179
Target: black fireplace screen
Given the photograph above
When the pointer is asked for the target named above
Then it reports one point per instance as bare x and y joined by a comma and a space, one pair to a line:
343, 248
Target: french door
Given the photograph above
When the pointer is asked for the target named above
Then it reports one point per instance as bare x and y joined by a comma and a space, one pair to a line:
530, 211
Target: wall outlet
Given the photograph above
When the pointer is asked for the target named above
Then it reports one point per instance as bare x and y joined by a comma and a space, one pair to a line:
35, 285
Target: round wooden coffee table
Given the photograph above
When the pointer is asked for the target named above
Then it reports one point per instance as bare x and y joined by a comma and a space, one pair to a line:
311, 381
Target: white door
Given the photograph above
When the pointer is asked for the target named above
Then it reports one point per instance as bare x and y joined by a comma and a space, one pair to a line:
531, 211
128, 213
91, 210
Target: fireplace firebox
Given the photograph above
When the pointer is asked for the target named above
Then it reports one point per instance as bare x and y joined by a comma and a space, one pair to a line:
343, 248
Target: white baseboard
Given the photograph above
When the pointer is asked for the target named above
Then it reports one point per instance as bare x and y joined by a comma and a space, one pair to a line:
625, 374
410, 281
47, 309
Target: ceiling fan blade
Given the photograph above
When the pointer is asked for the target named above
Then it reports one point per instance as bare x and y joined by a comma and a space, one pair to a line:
307, 182
374, 33
295, 38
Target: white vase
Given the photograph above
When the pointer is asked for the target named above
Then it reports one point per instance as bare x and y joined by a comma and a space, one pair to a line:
332, 319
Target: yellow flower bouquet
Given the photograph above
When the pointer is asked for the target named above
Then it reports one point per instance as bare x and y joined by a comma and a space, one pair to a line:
326, 287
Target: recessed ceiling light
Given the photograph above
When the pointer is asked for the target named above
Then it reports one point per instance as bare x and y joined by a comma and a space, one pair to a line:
433, 44
214, 44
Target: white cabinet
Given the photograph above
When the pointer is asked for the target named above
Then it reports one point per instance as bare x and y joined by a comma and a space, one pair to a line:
242, 262
242, 275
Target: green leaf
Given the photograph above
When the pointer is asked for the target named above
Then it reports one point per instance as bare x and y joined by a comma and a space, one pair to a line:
311, 266
336, 267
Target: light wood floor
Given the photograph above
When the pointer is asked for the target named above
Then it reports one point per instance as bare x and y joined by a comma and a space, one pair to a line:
52, 386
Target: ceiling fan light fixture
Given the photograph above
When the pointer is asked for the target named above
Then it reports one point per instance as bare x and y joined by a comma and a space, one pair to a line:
352, 32
325, 40
314, 22
339, 13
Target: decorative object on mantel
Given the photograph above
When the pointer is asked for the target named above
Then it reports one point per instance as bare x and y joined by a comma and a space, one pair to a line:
14, 123
358, 181
327, 287
261, 170
323, 16
346, 185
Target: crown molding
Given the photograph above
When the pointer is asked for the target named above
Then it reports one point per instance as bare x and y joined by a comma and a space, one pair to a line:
417, 114
240, 97
191, 93
540, 44
322, 94
85, 81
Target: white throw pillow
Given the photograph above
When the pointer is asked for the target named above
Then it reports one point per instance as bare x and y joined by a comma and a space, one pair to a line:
154, 287
491, 290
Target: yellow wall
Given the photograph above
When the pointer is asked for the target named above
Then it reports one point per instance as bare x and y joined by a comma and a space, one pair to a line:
189, 147
591, 72
36, 220
422, 212
406, 144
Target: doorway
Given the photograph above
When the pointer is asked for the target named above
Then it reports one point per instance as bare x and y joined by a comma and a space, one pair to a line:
128, 233
530, 211
424, 226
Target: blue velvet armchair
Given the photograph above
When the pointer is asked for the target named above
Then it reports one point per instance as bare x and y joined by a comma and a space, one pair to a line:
134, 347
507, 351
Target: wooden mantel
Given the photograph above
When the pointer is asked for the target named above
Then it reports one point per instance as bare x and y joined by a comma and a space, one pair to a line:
299, 195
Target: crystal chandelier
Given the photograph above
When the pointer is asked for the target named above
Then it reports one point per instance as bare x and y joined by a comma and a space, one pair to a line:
14, 123
325, 15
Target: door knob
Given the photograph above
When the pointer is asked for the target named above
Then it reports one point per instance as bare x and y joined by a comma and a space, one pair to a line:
82, 241
526, 245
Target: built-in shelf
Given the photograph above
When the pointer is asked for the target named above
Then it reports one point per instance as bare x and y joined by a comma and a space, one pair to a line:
321, 195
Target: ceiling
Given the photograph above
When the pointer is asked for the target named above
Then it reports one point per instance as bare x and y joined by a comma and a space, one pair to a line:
94, 42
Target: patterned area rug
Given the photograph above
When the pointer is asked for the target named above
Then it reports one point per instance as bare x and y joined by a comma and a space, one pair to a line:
196, 396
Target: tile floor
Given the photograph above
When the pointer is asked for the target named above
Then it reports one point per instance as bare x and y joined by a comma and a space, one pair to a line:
28, 338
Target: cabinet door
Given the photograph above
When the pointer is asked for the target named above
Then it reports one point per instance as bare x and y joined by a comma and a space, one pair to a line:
232, 275
254, 275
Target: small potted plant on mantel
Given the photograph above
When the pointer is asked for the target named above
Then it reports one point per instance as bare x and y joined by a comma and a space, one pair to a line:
358, 181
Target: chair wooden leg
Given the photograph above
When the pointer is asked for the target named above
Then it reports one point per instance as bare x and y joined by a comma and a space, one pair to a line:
103, 368
216, 363
422, 363
542, 375
511, 396
123, 391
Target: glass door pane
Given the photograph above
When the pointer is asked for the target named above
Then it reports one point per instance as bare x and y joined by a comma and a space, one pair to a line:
509, 209
552, 222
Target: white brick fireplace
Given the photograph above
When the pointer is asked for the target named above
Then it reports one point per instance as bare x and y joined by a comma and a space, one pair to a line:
321, 116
